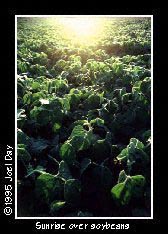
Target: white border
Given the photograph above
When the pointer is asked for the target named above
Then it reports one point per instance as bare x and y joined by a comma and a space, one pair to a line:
85, 16
88, 16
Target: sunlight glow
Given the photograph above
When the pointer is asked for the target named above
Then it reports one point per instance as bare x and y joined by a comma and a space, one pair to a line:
82, 30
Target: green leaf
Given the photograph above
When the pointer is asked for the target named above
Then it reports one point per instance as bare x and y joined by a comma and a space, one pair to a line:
74, 99
136, 143
122, 91
66, 104
41, 115
146, 86
138, 182
96, 178
101, 150
49, 188
64, 171
72, 191
122, 192
37, 146
67, 153
122, 176
56, 127
102, 176
128, 187
146, 135
112, 106
22, 138
130, 150
46, 113
97, 121
35, 85
22, 153
80, 138
123, 155
84, 164
93, 101
126, 97
79, 122
27, 98
56, 206
77, 131
33, 173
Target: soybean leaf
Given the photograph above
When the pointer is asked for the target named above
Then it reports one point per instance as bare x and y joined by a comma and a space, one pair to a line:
72, 191
67, 153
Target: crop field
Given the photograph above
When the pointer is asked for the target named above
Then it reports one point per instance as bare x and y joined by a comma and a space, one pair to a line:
83, 117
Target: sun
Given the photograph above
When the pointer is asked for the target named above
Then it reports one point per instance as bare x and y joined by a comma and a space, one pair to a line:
81, 29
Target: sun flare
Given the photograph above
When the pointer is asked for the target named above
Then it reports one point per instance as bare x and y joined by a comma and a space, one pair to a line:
82, 30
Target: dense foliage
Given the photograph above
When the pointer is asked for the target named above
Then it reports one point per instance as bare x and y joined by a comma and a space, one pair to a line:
84, 120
